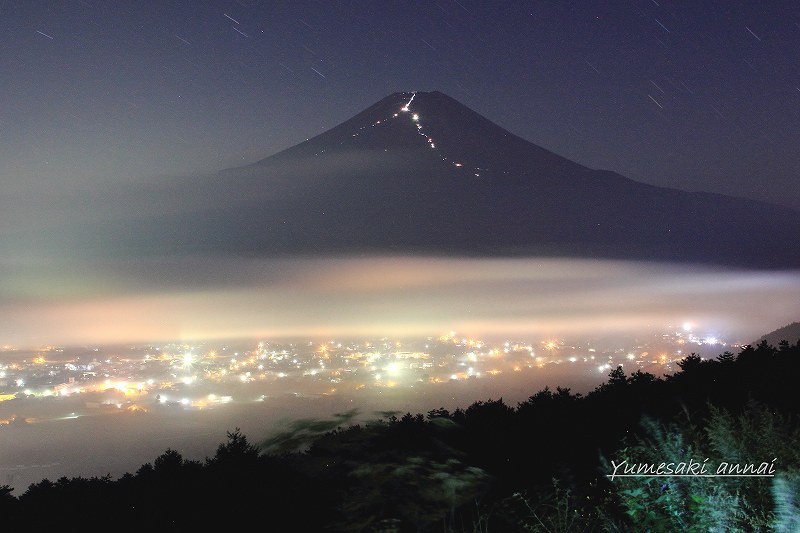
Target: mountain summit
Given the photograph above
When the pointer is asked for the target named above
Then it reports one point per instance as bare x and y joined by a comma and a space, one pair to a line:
421, 121
420, 172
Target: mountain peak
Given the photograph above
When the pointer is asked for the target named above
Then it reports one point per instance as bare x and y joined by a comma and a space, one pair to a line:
451, 133
421, 171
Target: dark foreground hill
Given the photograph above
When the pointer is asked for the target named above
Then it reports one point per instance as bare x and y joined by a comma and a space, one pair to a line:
420, 172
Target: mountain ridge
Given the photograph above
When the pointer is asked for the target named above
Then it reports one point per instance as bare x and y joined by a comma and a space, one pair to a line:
410, 146
789, 333
430, 108
420, 173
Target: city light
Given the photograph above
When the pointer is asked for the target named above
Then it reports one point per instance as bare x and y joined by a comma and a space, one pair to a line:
139, 381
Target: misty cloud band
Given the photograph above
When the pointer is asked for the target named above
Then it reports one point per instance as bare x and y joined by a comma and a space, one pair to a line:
207, 297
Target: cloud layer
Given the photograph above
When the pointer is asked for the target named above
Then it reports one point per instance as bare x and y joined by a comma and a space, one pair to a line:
204, 298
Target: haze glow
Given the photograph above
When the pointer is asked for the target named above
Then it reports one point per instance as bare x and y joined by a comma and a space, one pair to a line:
213, 298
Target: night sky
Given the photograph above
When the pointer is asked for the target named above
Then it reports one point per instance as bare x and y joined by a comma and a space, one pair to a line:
695, 95
99, 99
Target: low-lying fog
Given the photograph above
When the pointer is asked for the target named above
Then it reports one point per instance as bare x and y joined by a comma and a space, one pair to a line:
147, 299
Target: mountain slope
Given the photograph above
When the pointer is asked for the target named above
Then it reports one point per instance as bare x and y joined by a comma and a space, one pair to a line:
789, 333
420, 172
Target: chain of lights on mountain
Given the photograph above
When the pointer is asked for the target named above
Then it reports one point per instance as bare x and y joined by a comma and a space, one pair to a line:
415, 119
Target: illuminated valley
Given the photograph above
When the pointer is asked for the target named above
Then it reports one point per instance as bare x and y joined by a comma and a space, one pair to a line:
199, 376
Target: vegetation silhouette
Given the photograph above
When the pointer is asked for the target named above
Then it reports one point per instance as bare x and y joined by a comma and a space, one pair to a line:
542, 465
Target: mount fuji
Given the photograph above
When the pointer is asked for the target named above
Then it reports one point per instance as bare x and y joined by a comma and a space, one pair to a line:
418, 172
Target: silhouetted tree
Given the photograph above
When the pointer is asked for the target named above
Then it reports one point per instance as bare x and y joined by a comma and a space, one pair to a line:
690, 363
641, 379
235, 453
616, 378
9, 508
726, 358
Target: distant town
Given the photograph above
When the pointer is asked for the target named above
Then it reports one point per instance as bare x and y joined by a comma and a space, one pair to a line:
207, 375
